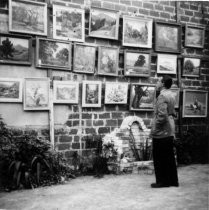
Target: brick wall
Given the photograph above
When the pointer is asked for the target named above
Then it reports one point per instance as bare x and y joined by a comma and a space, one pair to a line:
93, 123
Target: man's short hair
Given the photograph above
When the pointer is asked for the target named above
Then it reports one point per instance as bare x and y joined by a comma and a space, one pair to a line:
167, 81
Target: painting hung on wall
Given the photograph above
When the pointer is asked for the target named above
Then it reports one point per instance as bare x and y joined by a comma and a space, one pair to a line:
15, 49
195, 103
36, 94
137, 32
10, 90
142, 97
166, 64
68, 23
53, 54
116, 93
91, 93
167, 37
137, 64
175, 92
191, 67
108, 61
28, 17
65, 92
104, 23
84, 58
194, 36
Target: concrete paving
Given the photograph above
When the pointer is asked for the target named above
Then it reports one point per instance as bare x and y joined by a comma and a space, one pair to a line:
117, 192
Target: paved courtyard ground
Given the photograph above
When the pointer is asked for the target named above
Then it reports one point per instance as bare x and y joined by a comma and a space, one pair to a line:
116, 192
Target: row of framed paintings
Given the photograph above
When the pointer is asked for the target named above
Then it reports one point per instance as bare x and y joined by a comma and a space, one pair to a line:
142, 96
30, 17
57, 54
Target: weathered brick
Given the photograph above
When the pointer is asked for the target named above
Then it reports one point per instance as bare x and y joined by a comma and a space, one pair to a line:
65, 139
120, 7
103, 130
115, 1
143, 11
112, 123
69, 123
73, 116
75, 108
73, 131
187, 82
194, 20
63, 146
132, 9
205, 84
88, 123
154, 13
127, 2
165, 15
137, 3
90, 130
205, 71
184, 5
198, 14
117, 115
86, 116
98, 122
108, 5
193, 7
60, 131
148, 5
75, 145
164, 2
76, 138
169, 9
196, 83
158, 7
104, 116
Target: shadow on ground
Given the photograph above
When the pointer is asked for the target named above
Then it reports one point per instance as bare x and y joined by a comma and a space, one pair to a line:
116, 192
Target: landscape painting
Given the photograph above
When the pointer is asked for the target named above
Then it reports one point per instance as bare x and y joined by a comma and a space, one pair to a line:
142, 97
194, 36
116, 93
36, 94
137, 64
195, 103
15, 49
84, 58
28, 17
53, 54
167, 37
91, 93
65, 92
191, 67
166, 64
175, 93
108, 61
137, 32
104, 23
68, 23
10, 90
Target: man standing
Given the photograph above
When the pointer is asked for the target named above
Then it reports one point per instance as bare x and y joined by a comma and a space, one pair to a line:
163, 132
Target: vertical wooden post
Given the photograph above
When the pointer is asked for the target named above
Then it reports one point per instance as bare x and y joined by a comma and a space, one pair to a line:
51, 109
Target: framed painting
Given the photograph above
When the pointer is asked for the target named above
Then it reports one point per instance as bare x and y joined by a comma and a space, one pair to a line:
167, 37
68, 23
54, 54
103, 23
116, 93
176, 92
10, 90
15, 49
28, 17
108, 61
137, 64
65, 92
36, 94
166, 64
91, 93
191, 67
194, 36
137, 32
142, 97
195, 103
84, 58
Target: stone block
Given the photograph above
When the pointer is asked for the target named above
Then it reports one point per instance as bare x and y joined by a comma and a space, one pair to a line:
65, 139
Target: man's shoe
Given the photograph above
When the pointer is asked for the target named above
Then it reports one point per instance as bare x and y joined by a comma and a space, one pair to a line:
158, 185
